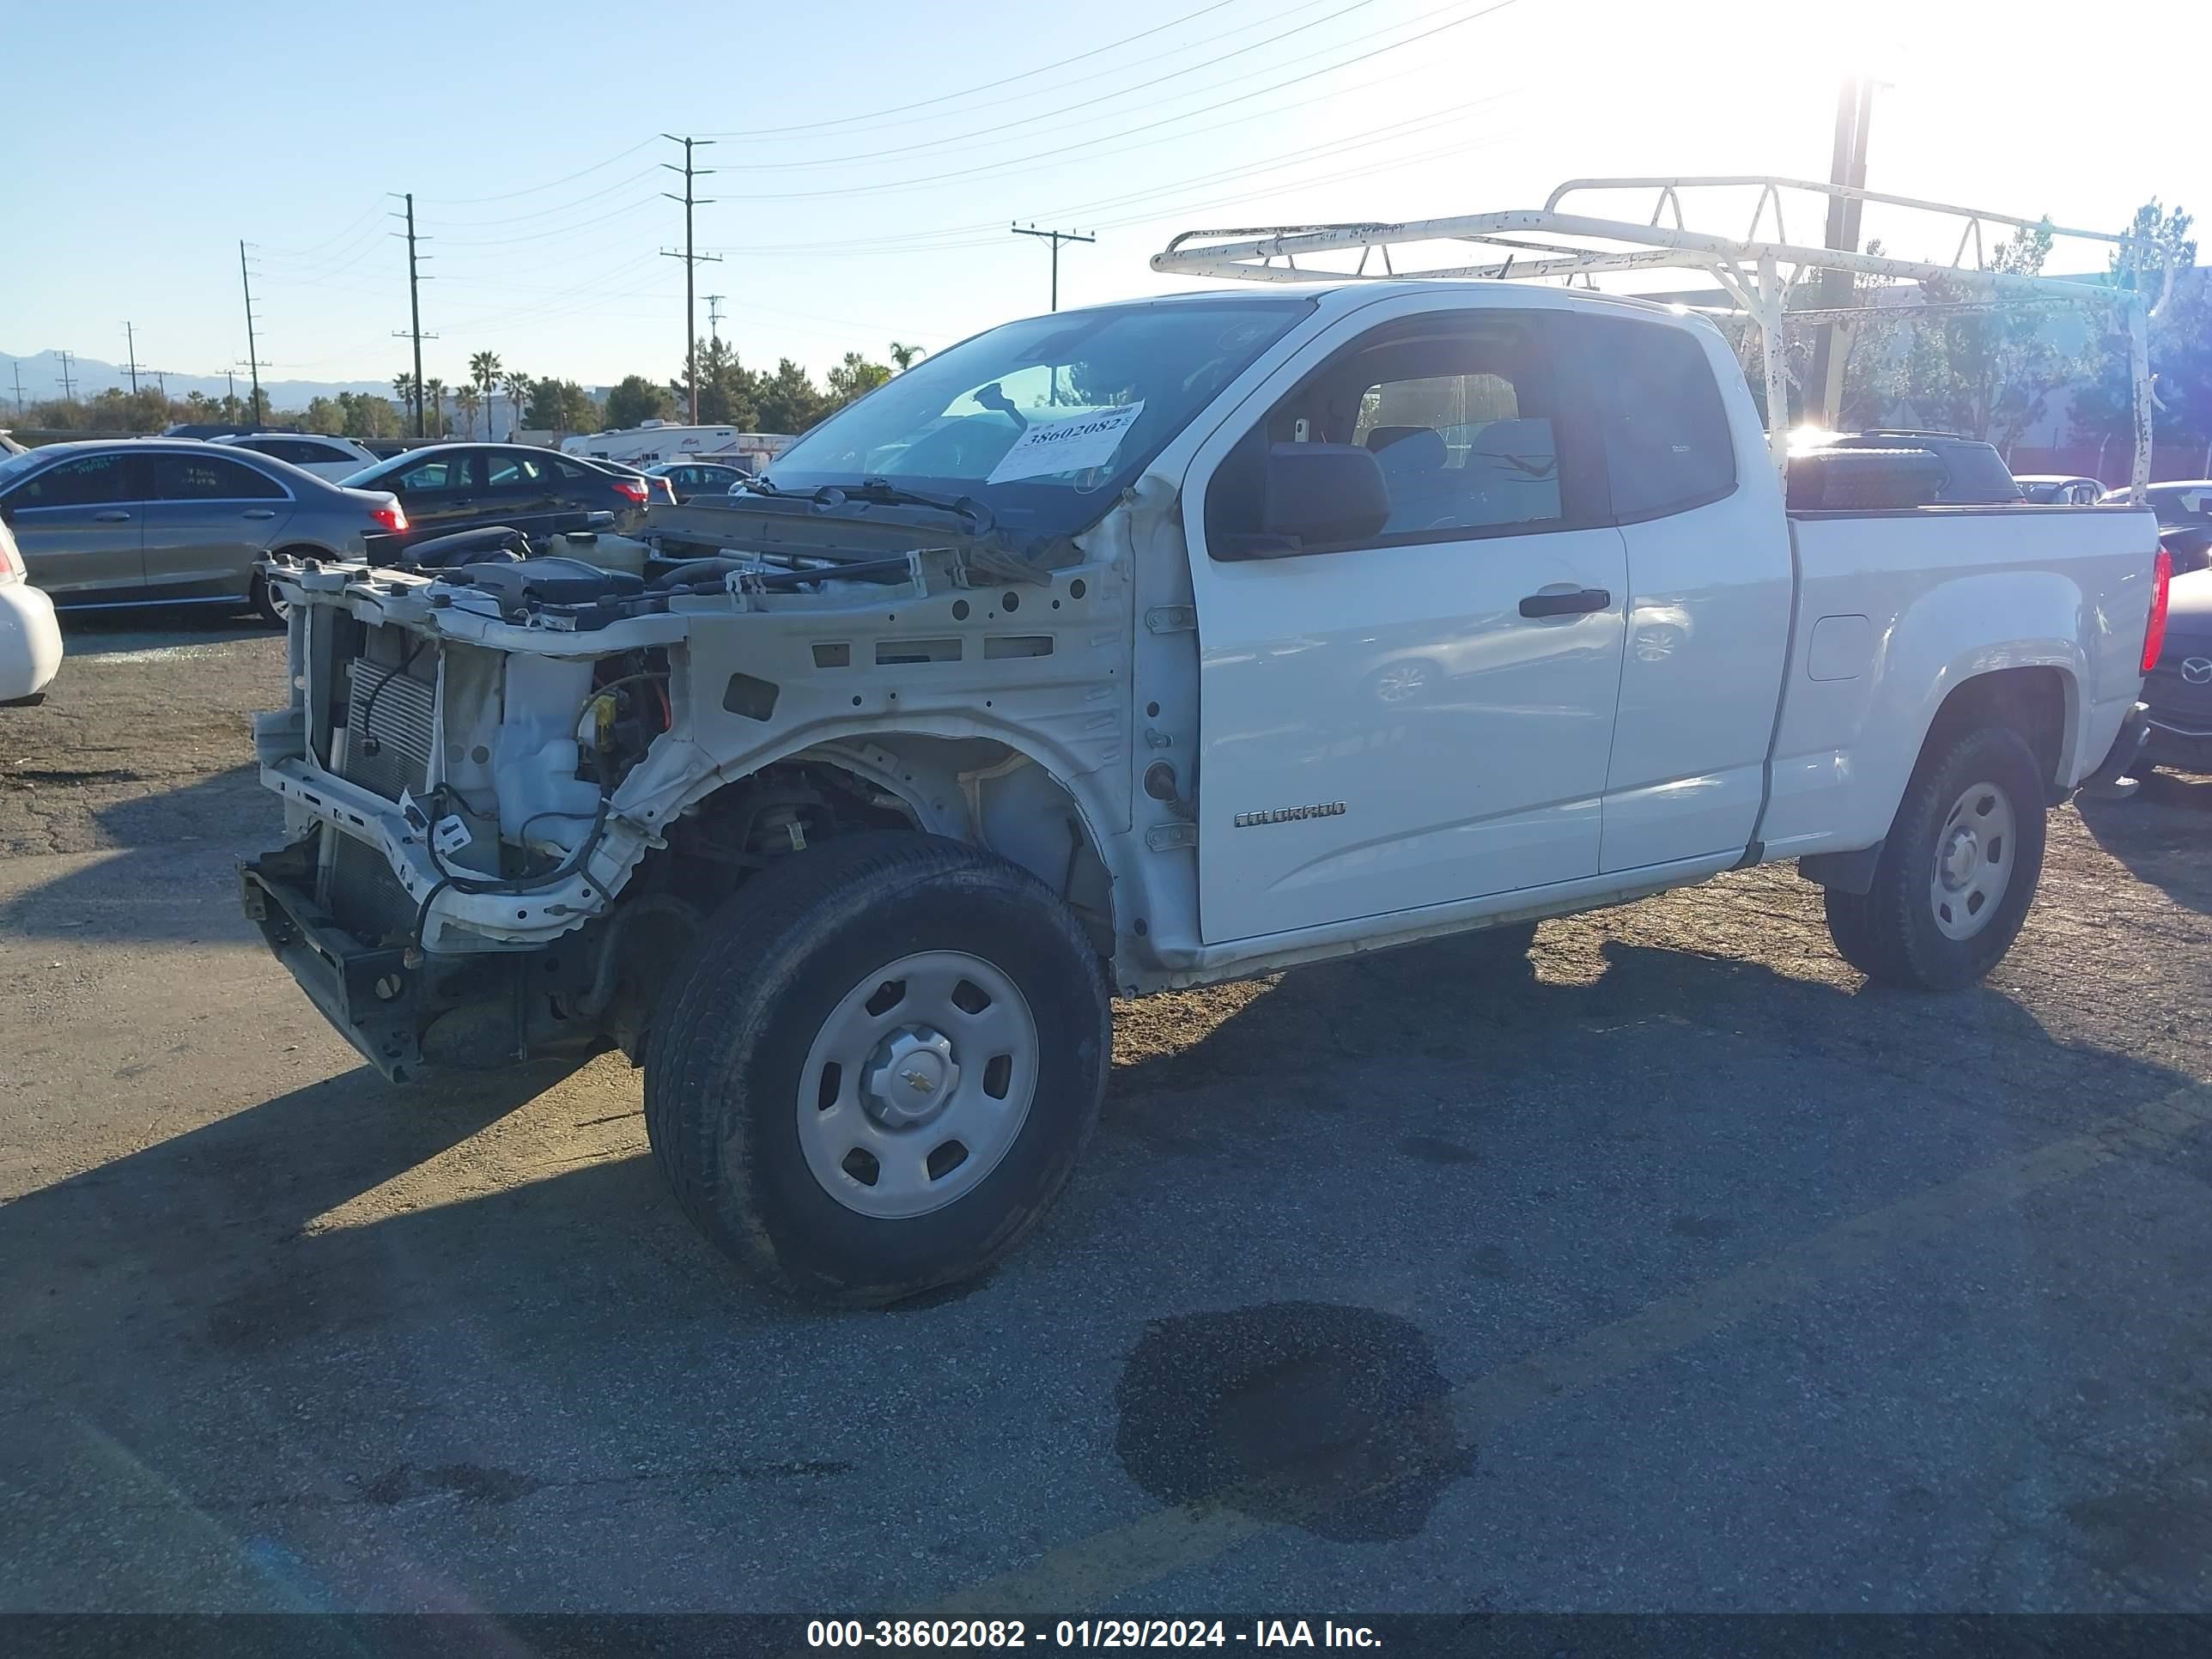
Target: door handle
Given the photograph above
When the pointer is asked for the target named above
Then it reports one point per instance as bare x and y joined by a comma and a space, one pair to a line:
1571, 603
260, 513
112, 516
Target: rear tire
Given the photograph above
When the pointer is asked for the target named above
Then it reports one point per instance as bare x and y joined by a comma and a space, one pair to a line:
1958, 872
880, 1067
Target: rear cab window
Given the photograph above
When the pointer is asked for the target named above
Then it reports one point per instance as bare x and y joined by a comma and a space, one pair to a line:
1669, 446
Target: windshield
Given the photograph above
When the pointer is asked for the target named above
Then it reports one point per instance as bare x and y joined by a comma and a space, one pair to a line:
1043, 420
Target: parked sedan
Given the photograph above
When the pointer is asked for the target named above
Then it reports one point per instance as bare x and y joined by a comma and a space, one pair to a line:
2058, 489
157, 521
30, 641
2179, 688
689, 478
449, 486
334, 459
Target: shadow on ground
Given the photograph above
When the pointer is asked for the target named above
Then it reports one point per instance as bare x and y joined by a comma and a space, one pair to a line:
2164, 834
171, 874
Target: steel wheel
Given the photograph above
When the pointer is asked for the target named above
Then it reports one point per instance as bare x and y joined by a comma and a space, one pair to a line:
917, 1084
1975, 851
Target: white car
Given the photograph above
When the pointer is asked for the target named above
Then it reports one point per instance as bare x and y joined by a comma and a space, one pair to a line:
334, 459
30, 640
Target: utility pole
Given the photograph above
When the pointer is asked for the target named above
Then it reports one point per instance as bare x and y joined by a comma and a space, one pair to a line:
414, 328
714, 317
1056, 237
1847, 166
18, 368
130, 339
69, 392
230, 387
692, 261
252, 353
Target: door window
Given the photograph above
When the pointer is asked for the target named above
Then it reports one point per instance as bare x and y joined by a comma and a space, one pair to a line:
1668, 446
92, 481
519, 473
440, 472
1477, 426
210, 478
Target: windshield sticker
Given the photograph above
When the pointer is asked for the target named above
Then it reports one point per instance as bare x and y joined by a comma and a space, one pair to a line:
1072, 445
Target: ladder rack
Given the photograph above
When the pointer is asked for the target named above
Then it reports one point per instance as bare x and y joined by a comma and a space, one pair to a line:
1757, 272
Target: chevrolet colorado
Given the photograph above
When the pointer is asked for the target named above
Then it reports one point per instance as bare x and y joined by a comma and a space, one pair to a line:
1137, 647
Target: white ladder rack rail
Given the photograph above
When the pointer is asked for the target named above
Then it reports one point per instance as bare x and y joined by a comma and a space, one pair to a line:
1757, 273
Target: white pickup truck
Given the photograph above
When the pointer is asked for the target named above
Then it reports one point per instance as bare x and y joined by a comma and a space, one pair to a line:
1138, 648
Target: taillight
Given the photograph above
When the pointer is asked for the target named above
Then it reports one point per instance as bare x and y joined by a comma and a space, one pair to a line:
11, 561
391, 516
2155, 634
632, 490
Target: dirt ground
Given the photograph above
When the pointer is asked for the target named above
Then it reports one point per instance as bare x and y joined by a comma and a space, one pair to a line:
1674, 1269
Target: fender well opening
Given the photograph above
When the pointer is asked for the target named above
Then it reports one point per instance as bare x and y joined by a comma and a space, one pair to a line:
2033, 702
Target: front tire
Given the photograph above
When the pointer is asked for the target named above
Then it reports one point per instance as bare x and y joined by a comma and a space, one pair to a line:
879, 1068
1958, 872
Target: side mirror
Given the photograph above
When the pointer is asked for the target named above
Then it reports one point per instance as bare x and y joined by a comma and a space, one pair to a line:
1319, 494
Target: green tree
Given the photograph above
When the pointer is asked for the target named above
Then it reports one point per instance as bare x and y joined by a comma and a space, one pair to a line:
854, 377
484, 370
561, 406
407, 389
906, 355
322, 415
468, 402
2180, 339
727, 387
788, 401
516, 385
433, 393
637, 400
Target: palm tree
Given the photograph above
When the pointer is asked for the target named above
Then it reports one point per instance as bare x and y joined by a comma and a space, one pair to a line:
904, 355
516, 385
484, 371
466, 402
434, 393
407, 391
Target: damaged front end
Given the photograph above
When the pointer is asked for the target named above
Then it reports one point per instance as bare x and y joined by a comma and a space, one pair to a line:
483, 769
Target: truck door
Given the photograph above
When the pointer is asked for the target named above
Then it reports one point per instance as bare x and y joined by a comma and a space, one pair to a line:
1709, 589
1424, 715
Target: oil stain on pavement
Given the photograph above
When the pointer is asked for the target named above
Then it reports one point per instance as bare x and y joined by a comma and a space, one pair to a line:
1334, 1419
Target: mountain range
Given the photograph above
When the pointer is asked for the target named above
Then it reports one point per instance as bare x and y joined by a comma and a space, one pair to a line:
41, 377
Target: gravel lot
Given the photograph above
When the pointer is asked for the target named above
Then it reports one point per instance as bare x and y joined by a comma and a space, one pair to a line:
1674, 1270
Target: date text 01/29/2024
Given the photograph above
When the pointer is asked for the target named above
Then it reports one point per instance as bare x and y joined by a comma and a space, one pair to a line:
824, 1633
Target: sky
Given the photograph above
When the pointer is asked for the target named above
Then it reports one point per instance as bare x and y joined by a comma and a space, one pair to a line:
870, 157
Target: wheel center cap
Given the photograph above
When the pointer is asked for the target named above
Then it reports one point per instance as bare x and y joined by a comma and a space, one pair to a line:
911, 1076
1962, 856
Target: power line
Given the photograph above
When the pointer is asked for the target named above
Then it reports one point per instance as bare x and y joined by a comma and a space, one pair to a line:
1030, 163
692, 260
1055, 237
532, 189
547, 212
988, 86
1029, 123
